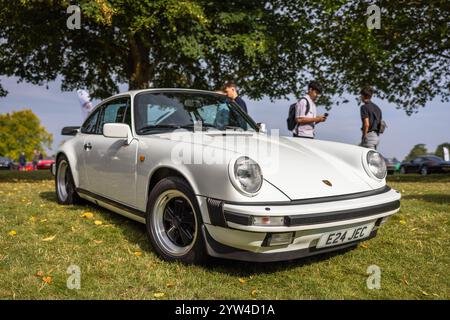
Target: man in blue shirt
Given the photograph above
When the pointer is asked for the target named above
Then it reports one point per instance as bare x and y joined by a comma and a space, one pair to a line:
231, 92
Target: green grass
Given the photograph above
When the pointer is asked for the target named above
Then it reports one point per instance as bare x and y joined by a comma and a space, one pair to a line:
412, 250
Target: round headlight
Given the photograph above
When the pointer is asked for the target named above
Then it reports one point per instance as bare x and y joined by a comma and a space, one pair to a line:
247, 176
376, 164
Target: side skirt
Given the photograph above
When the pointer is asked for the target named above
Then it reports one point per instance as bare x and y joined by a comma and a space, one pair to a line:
112, 205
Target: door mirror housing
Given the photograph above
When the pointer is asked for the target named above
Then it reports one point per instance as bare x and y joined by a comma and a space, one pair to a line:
118, 130
70, 131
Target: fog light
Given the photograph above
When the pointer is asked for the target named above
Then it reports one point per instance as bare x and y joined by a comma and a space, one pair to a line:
268, 221
278, 239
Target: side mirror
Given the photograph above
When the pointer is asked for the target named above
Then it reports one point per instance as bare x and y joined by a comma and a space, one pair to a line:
262, 127
118, 130
70, 131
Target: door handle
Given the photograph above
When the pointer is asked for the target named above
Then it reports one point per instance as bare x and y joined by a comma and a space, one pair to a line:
87, 146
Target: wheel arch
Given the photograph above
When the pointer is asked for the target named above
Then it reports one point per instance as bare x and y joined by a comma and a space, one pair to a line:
166, 171
72, 164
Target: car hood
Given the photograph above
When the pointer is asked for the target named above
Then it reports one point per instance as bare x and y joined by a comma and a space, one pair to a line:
300, 168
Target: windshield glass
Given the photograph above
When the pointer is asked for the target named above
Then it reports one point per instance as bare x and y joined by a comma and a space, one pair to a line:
155, 111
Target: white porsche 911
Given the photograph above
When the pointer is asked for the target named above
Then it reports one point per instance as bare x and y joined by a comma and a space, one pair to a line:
189, 164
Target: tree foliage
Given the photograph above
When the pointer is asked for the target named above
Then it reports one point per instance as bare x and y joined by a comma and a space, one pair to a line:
440, 149
270, 48
21, 131
417, 151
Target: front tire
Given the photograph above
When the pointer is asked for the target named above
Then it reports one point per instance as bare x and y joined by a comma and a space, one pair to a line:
173, 222
64, 184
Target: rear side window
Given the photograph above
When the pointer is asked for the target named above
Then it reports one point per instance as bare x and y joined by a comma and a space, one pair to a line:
90, 125
115, 111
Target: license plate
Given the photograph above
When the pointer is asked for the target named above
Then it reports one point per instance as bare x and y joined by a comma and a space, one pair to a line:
338, 237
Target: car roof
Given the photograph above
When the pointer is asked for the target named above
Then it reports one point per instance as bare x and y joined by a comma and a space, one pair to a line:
135, 92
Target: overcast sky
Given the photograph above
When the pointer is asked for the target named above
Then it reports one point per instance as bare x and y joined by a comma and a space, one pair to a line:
431, 125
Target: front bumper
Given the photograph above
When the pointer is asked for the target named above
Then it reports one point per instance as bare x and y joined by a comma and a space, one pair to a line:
230, 233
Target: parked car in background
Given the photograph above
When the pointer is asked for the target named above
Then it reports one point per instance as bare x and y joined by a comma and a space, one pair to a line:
28, 167
45, 163
7, 164
392, 165
424, 165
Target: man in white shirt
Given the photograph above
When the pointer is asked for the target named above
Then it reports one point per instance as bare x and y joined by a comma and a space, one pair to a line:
306, 112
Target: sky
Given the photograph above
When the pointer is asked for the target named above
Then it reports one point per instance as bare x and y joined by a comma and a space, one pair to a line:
431, 125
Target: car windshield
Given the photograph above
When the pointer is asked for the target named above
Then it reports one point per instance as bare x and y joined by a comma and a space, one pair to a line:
156, 111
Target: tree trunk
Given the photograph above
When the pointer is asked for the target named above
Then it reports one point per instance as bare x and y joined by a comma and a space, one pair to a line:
138, 63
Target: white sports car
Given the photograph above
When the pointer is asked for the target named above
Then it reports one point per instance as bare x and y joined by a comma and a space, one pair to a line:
206, 180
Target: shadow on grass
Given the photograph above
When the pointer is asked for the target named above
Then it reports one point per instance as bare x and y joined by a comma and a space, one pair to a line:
245, 269
24, 176
413, 177
135, 233
434, 198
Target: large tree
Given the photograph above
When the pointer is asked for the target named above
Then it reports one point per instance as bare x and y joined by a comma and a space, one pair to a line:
21, 131
269, 48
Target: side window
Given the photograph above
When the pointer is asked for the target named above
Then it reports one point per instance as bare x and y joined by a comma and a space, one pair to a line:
115, 112
90, 125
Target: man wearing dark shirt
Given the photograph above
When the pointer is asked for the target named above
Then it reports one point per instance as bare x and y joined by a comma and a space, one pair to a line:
371, 117
231, 92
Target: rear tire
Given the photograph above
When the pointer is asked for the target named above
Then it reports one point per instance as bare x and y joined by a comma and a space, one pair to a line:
173, 222
65, 187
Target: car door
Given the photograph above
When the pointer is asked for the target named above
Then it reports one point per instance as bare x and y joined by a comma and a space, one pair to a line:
111, 163
88, 129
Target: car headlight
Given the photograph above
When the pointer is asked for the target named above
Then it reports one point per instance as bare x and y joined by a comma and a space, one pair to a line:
246, 176
376, 165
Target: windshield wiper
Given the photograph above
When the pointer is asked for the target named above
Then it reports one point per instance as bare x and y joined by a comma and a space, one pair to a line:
158, 126
234, 128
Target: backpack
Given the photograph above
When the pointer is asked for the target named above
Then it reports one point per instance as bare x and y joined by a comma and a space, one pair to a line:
381, 125
291, 120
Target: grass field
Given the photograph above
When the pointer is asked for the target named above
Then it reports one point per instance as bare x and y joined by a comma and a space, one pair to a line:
40, 239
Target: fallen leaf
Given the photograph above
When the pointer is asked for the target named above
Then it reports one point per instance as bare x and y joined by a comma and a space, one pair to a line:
405, 281
73, 229
364, 245
242, 281
159, 294
98, 241
43, 220
254, 292
33, 219
87, 215
49, 238
47, 280
12, 233
424, 293
170, 284
138, 253
98, 222
402, 222
39, 274
436, 295
414, 229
